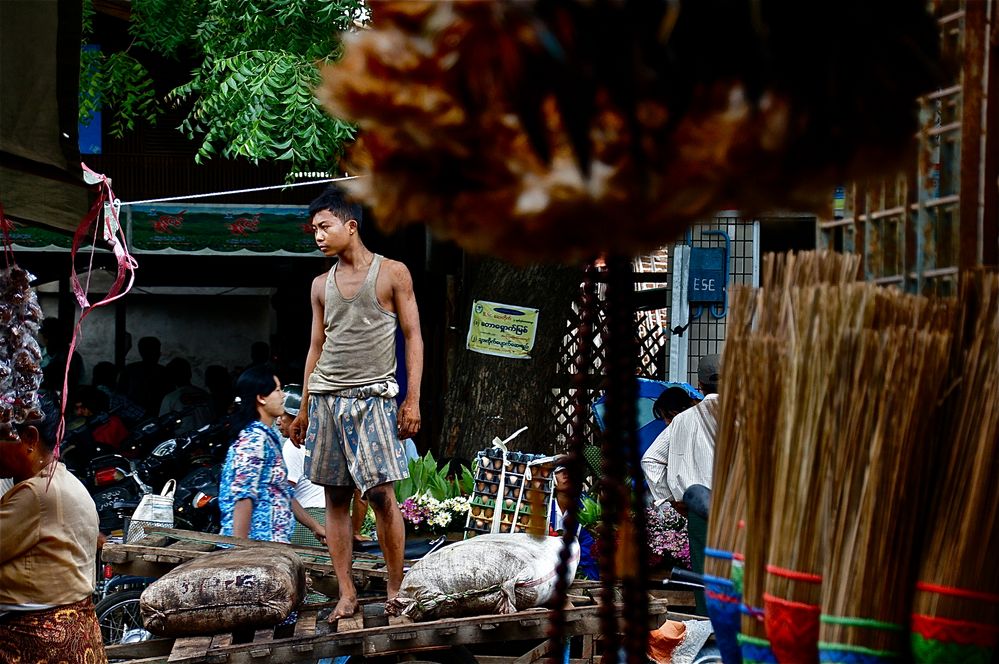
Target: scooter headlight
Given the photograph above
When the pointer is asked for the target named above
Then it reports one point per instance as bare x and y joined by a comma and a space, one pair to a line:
165, 449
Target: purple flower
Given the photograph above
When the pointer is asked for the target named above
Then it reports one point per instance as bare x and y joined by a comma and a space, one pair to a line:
668, 534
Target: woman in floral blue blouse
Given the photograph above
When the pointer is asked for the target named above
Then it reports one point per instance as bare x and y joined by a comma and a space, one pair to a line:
255, 497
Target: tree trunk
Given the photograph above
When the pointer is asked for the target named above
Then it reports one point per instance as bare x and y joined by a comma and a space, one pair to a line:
491, 396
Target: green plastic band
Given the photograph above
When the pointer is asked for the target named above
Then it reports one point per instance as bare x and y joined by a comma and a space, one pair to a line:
870, 652
736, 574
861, 622
754, 640
932, 651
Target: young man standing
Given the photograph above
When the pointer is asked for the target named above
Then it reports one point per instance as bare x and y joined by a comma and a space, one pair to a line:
348, 420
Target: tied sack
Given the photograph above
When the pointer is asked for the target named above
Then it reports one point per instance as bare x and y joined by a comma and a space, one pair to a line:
497, 573
225, 590
153, 510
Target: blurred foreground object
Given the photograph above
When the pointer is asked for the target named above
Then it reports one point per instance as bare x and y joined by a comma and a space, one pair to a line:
529, 129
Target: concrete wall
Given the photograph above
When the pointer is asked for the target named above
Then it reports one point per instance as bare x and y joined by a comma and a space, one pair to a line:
203, 329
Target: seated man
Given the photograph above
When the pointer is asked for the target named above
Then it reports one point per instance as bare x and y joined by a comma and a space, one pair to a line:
672, 402
588, 567
100, 426
692, 436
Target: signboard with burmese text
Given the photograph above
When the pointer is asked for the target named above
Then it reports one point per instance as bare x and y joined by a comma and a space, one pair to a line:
503, 330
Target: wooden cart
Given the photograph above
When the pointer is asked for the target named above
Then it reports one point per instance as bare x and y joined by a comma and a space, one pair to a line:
370, 632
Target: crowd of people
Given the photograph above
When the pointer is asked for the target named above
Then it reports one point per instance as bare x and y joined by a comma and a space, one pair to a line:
114, 402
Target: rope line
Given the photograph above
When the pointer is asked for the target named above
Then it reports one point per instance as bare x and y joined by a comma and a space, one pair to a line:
190, 197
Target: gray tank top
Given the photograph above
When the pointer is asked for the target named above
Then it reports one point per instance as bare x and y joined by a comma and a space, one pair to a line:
360, 338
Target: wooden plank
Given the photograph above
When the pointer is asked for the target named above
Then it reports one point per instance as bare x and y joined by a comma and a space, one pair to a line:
351, 624
190, 646
306, 625
162, 659
421, 636
262, 635
587, 653
203, 547
144, 560
307, 553
535, 653
143, 649
222, 640
395, 638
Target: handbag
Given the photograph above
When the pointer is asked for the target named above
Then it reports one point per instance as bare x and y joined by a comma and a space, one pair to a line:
153, 510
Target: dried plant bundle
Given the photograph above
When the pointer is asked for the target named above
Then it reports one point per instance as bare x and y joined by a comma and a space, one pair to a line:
877, 460
760, 424
816, 320
728, 475
958, 575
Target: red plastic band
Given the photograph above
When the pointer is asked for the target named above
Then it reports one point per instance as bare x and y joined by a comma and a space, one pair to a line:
795, 576
793, 629
958, 592
738, 556
962, 632
721, 597
789, 603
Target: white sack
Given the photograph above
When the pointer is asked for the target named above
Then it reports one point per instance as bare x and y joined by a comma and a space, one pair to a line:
496, 573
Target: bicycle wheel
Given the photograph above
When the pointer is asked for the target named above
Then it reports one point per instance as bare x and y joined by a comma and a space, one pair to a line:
119, 618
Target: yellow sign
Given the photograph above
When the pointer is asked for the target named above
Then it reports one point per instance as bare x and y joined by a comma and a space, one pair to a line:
502, 329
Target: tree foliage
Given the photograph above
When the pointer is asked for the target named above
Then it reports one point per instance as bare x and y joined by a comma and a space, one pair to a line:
251, 89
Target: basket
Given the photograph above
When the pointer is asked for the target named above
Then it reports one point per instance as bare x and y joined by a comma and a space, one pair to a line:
154, 510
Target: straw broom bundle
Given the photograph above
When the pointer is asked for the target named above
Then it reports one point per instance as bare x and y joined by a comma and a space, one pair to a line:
722, 592
760, 423
818, 321
877, 457
955, 614
728, 478
781, 273
749, 401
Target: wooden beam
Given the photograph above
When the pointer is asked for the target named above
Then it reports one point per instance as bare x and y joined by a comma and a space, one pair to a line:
143, 649
972, 79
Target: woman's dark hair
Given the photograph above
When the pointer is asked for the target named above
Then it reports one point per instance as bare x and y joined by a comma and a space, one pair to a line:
48, 422
254, 382
672, 401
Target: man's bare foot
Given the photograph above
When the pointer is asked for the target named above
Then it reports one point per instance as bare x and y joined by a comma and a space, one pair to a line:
345, 608
392, 593
361, 538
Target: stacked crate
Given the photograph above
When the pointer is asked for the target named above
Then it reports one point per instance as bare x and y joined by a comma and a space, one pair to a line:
515, 488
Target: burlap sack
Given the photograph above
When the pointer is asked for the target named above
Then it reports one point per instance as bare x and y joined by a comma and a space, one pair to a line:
493, 573
224, 590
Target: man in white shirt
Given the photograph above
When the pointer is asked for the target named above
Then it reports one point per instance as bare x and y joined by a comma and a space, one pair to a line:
672, 402
311, 496
688, 443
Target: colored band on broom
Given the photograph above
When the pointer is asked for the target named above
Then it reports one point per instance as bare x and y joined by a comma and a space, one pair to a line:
756, 650
846, 652
958, 592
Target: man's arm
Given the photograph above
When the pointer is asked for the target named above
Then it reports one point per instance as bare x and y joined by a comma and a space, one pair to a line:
404, 300
318, 338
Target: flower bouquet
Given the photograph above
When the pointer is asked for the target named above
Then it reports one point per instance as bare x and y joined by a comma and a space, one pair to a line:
668, 543
424, 513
